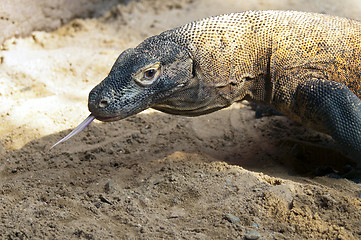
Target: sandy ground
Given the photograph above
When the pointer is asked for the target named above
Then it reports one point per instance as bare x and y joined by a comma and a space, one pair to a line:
20, 17
225, 175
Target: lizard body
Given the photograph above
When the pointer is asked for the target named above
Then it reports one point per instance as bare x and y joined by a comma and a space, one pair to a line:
305, 65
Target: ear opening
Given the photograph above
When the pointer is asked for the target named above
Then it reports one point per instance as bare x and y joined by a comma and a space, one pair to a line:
194, 69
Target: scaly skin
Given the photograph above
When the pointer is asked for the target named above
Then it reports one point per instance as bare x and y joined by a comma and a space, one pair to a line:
305, 65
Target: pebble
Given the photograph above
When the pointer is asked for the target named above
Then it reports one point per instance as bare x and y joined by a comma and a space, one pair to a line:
231, 218
104, 200
176, 212
252, 235
109, 186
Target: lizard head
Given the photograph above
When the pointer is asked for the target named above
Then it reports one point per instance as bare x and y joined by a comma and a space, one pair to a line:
158, 73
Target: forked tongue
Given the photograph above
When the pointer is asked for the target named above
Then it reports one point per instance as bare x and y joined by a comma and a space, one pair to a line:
76, 130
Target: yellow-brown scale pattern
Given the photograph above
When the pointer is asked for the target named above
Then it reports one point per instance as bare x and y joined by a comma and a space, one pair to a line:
233, 48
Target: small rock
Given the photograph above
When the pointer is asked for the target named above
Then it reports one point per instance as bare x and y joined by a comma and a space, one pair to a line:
231, 218
104, 200
255, 225
109, 186
176, 212
252, 235
177, 200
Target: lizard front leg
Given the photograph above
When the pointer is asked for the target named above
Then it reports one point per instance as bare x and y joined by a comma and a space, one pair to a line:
331, 107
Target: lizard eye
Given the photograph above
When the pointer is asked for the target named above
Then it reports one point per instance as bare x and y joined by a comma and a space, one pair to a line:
148, 75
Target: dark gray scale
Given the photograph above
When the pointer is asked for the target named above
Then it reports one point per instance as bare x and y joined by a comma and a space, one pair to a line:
334, 108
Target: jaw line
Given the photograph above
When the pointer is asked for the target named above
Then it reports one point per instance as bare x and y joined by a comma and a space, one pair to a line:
114, 118
121, 114
108, 119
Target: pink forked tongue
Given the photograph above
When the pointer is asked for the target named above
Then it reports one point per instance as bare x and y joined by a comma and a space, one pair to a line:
76, 130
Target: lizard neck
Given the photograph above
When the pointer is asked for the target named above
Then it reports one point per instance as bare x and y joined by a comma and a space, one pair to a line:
232, 52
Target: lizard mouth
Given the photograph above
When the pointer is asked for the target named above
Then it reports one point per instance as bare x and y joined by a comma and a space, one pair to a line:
108, 119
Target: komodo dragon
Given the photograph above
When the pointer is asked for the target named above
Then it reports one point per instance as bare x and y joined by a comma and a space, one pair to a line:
305, 65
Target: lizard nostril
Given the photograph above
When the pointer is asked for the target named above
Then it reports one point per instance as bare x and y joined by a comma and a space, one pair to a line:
103, 103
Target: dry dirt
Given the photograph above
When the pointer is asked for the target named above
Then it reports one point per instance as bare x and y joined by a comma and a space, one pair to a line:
225, 175
21, 17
